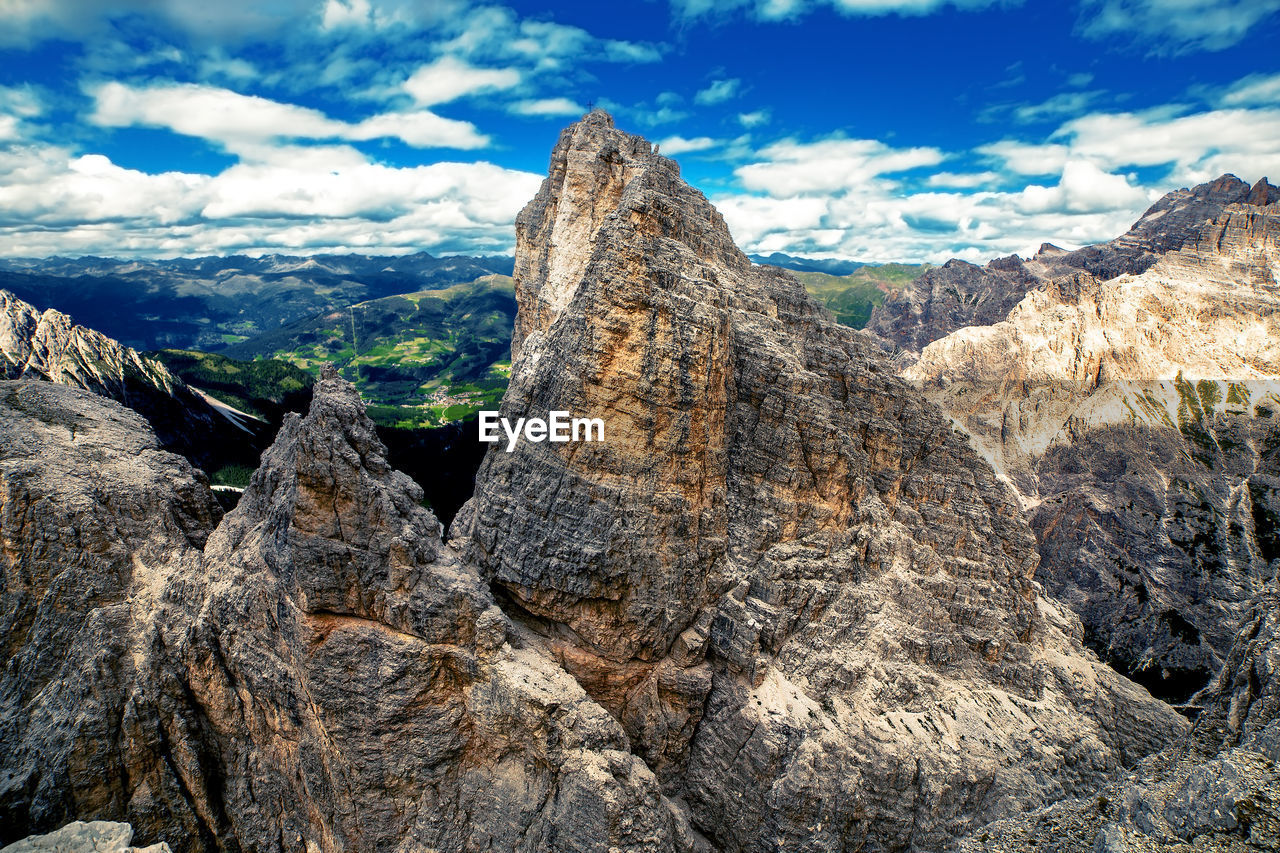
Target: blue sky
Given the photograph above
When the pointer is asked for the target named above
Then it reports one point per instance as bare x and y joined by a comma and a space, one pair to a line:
880, 130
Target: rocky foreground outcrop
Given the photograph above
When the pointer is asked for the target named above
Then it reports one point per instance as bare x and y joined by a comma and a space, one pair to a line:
783, 605
48, 345
98, 836
1137, 418
319, 673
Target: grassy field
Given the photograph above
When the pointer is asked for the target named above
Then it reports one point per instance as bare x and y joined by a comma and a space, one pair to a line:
262, 388
851, 297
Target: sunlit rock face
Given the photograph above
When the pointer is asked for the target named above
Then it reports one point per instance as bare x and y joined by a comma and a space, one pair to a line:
959, 294
1135, 415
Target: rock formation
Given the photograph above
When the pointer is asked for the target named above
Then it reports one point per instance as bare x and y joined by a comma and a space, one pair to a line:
323, 675
1135, 417
100, 836
960, 294
808, 602
94, 518
47, 345
783, 605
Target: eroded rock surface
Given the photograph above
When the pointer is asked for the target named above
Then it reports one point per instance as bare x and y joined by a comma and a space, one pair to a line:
324, 675
807, 600
94, 521
1218, 791
98, 836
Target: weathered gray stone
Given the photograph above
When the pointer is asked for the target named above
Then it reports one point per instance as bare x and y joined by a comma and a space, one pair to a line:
325, 675
1137, 419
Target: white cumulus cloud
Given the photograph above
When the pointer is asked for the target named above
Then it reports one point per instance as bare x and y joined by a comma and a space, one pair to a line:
673, 145
450, 78
290, 198
793, 168
237, 120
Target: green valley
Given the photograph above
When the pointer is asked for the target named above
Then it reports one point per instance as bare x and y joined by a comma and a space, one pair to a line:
419, 359
851, 297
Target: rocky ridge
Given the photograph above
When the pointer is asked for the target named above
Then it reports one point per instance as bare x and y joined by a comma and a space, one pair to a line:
48, 345
1217, 791
1135, 417
786, 575
319, 673
960, 294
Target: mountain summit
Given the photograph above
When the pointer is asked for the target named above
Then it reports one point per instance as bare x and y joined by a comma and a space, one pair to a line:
806, 599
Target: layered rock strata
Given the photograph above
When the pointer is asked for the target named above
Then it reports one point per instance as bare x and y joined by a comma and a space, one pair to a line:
959, 294
321, 674
806, 599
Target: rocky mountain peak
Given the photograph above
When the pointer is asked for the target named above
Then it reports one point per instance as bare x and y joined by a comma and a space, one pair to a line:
779, 552
49, 345
359, 542
779, 604
592, 181
1172, 370
1262, 194
959, 294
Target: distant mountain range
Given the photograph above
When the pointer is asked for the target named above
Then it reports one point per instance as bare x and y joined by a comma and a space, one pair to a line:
427, 340
831, 266
209, 303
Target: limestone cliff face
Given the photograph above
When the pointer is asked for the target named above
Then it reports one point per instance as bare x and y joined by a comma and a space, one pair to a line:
320, 673
806, 599
960, 294
48, 345
1135, 416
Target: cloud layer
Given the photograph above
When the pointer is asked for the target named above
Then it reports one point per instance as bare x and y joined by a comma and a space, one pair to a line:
394, 125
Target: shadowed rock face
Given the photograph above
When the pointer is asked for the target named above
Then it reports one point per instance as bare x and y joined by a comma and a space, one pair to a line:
1216, 790
94, 519
805, 598
960, 294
